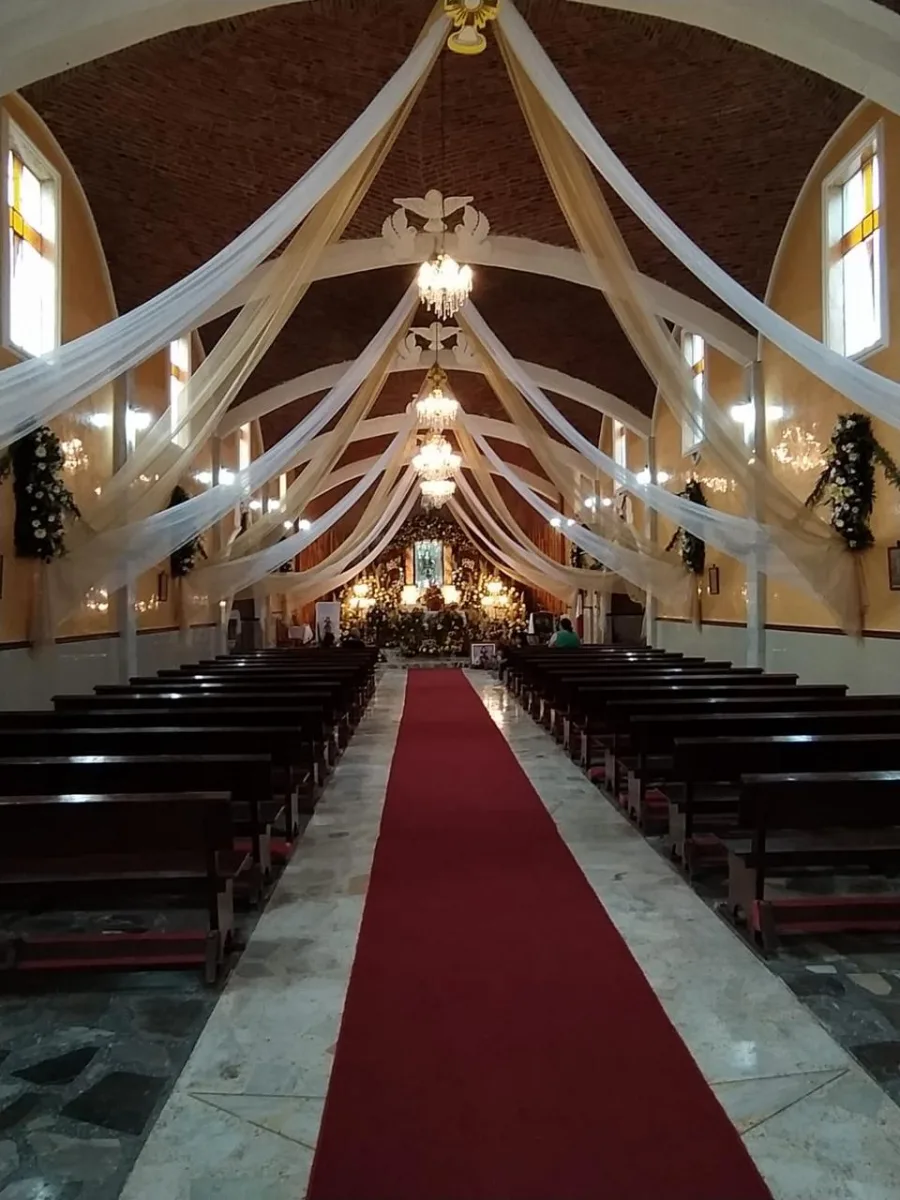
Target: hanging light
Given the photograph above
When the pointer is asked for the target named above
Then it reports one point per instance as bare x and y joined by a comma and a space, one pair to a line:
436, 459
436, 492
437, 409
444, 286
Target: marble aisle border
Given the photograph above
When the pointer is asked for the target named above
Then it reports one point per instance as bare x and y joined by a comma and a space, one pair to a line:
244, 1115
817, 1126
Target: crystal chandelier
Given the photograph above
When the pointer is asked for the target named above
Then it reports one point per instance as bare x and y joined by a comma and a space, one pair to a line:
436, 410
436, 459
444, 286
436, 491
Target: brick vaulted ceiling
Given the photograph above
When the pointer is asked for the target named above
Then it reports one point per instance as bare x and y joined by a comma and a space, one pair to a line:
182, 141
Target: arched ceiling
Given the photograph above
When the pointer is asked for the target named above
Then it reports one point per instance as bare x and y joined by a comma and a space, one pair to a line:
182, 141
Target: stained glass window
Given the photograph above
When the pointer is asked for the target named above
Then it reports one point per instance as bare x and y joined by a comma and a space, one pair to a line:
32, 189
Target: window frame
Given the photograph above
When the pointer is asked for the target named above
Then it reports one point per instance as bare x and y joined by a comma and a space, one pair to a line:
832, 185
13, 137
690, 443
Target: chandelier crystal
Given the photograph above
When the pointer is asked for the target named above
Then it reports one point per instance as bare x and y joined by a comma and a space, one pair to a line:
444, 286
436, 410
436, 491
436, 459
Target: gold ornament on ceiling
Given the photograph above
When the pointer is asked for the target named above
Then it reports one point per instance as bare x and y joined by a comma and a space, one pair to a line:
469, 17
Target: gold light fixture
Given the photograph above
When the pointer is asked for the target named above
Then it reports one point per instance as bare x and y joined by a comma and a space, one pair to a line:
437, 409
469, 17
435, 492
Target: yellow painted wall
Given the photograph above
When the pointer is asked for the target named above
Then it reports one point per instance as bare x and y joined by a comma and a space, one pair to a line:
797, 442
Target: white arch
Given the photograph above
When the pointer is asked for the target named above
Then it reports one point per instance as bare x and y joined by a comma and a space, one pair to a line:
515, 254
855, 42
324, 378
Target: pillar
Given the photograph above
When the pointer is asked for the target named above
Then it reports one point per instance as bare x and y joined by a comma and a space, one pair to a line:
651, 531
123, 602
756, 578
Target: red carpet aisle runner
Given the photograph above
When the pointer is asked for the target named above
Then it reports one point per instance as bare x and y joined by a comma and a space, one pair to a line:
499, 1042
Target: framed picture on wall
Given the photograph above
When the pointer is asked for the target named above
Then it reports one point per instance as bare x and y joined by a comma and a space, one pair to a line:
894, 567
714, 581
1, 576
162, 587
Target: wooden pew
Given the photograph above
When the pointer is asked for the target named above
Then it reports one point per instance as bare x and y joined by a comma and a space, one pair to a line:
76, 851
703, 800
840, 821
247, 778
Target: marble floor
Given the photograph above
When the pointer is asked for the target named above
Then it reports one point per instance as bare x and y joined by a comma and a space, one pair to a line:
243, 1117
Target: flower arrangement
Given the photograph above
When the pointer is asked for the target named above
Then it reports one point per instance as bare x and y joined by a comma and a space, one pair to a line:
183, 560
847, 483
43, 502
692, 548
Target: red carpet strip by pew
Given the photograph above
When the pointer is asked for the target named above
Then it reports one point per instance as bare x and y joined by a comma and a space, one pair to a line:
498, 1041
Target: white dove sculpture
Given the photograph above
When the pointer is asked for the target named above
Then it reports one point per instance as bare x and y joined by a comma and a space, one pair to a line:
434, 208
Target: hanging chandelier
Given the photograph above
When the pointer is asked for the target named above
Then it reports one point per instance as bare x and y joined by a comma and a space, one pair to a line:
444, 286
437, 409
436, 459
436, 491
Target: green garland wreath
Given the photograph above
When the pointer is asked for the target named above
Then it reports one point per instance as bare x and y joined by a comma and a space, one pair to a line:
692, 548
42, 499
847, 483
183, 560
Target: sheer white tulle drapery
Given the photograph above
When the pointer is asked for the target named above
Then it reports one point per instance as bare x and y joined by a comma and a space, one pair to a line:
33, 392
873, 392
119, 556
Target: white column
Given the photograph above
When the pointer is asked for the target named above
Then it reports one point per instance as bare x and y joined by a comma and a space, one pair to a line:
651, 529
123, 603
756, 579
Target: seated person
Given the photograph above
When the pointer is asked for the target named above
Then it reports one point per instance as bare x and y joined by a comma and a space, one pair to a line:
353, 640
565, 636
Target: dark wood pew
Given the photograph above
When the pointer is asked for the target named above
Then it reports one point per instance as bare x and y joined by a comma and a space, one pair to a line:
706, 774
76, 851
838, 821
292, 763
247, 778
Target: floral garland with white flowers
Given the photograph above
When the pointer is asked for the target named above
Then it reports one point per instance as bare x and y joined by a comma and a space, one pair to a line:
43, 502
847, 484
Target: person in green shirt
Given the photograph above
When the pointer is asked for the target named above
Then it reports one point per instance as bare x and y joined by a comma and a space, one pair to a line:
565, 635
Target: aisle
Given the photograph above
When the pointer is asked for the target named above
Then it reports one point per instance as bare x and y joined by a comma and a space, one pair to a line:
498, 1040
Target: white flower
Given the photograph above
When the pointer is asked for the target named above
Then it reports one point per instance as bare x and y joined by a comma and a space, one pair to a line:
41, 452
35, 524
40, 533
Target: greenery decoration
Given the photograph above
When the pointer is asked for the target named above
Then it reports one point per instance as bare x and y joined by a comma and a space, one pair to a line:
847, 483
183, 560
42, 499
431, 526
692, 548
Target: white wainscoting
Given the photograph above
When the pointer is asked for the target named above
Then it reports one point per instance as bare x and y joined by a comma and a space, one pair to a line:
29, 680
868, 665
728, 642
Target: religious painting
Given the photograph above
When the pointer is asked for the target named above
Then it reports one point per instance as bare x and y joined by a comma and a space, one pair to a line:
428, 564
714, 581
894, 567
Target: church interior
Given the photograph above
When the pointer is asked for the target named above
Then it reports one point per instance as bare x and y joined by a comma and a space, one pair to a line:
449, 620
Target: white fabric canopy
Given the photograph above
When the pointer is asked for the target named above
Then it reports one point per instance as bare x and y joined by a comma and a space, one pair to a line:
38, 389
119, 556
872, 392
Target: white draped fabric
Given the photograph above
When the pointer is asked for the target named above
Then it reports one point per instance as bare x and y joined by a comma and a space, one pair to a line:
740, 537
34, 391
872, 392
856, 42
229, 578
119, 556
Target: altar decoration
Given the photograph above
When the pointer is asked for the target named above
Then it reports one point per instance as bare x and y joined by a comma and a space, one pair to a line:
432, 595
